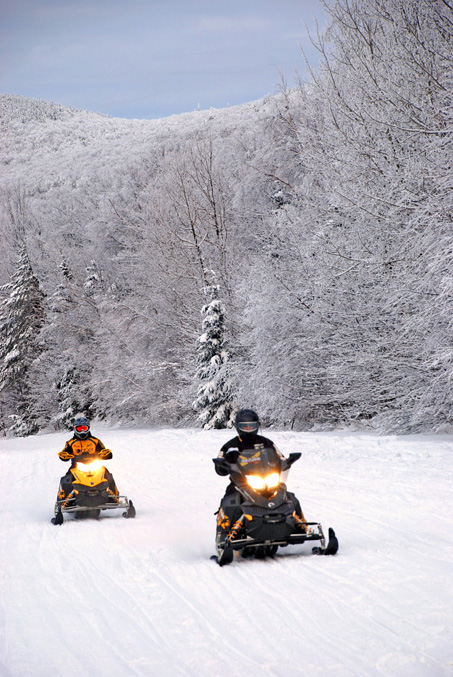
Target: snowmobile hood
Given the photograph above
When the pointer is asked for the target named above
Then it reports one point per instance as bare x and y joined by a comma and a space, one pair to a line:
89, 478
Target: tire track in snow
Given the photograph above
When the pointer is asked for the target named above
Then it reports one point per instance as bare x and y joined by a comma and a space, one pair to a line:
146, 601
107, 598
377, 623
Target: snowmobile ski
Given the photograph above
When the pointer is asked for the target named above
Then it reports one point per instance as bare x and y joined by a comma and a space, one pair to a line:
225, 556
58, 519
332, 546
130, 512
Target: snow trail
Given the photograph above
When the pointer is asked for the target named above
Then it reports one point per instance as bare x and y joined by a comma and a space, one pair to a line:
114, 597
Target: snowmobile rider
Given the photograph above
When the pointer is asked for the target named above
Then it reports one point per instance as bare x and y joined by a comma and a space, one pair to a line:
247, 426
83, 447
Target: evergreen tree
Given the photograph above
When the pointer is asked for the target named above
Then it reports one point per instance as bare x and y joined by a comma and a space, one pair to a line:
61, 299
21, 322
72, 312
214, 398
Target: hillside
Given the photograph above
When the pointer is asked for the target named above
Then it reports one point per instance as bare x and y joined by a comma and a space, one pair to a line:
321, 219
45, 146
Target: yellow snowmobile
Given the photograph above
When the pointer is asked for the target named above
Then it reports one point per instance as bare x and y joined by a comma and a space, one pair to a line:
89, 493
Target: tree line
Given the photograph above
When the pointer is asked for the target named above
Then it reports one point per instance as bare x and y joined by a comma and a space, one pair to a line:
293, 255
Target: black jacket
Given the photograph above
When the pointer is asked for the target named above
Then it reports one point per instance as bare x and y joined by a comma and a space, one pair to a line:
231, 449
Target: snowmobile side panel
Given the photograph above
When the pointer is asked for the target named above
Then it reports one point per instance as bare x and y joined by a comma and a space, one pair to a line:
120, 502
291, 539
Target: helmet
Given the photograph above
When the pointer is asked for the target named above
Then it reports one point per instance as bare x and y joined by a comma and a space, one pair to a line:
81, 427
247, 423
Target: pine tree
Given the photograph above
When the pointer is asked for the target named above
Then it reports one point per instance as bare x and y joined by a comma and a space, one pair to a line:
69, 328
214, 398
21, 322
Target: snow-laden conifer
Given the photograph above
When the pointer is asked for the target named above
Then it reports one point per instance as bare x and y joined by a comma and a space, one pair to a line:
21, 322
64, 375
214, 398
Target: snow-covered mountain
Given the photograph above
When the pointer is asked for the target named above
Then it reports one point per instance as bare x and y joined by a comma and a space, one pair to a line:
141, 597
45, 146
323, 214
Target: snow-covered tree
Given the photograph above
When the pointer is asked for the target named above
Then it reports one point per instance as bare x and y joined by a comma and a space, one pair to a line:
214, 402
21, 322
346, 271
63, 377
325, 211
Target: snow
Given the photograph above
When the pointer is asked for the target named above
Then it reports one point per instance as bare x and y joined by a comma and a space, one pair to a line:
141, 597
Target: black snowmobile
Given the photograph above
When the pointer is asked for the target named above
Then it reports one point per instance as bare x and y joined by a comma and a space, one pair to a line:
89, 493
261, 515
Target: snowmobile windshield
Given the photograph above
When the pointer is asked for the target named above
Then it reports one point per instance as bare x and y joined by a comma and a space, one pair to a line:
261, 462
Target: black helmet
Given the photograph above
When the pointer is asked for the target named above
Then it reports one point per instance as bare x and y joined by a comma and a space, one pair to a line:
247, 423
81, 427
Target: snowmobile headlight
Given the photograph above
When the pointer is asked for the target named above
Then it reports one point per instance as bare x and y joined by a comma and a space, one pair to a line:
259, 483
256, 482
273, 480
89, 467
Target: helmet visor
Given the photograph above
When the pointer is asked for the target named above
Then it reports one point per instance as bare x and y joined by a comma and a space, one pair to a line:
248, 426
81, 428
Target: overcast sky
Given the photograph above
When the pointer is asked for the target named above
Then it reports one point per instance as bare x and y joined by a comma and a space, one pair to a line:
152, 58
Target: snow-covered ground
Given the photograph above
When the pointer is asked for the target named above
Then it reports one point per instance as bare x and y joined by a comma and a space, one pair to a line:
119, 598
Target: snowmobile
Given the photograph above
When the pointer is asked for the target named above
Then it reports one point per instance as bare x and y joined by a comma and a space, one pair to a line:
89, 494
260, 515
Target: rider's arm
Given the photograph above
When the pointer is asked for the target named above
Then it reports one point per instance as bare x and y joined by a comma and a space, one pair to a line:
105, 454
102, 451
220, 468
228, 453
66, 454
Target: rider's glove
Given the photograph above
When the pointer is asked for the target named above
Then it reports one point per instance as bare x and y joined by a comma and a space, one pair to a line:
105, 453
65, 455
222, 467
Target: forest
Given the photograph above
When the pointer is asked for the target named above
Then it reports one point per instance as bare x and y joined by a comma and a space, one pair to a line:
293, 254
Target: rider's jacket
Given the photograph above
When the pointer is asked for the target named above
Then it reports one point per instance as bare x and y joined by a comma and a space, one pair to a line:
231, 449
83, 450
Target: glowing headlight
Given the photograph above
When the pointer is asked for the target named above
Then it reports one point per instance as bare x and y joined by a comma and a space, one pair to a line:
259, 483
89, 467
256, 482
273, 480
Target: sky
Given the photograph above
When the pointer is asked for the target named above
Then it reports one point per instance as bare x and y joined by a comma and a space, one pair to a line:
150, 59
